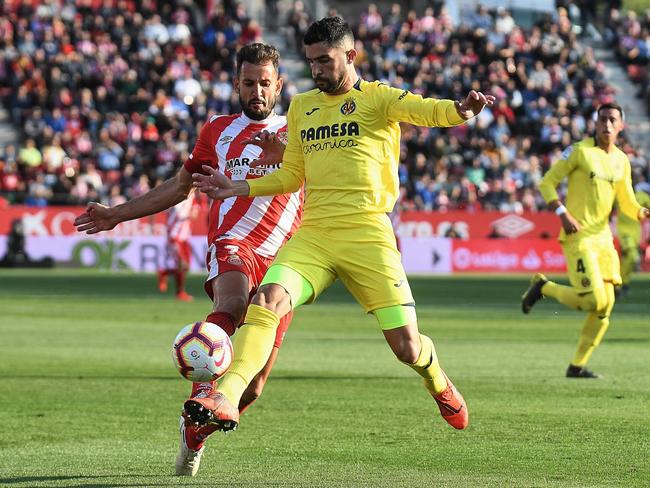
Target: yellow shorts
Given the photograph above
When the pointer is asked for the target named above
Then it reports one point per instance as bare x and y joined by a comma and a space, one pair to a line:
591, 262
363, 256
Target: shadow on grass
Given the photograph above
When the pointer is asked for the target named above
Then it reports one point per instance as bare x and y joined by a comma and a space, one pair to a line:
95, 481
628, 340
328, 377
87, 377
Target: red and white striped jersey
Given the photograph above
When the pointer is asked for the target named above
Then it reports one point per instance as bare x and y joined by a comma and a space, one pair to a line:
179, 219
264, 222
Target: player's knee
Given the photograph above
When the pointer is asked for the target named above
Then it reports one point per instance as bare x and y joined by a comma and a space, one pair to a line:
273, 297
407, 351
601, 301
588, 302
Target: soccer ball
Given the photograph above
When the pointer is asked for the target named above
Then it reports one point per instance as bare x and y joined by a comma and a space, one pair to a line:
202, 352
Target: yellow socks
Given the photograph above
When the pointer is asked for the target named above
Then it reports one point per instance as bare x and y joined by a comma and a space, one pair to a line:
428, 367
592, 333
594, 330
567, 295
252, 347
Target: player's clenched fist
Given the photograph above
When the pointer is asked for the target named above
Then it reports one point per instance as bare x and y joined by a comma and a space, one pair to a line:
473, 104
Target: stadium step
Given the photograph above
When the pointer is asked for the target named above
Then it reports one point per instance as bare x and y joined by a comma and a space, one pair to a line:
8, 133
637, 122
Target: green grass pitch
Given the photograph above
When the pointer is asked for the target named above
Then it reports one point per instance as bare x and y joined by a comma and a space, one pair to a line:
89, 396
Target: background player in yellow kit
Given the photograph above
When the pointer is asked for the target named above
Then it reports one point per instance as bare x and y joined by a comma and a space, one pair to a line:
629, 236
343, 144
598, 172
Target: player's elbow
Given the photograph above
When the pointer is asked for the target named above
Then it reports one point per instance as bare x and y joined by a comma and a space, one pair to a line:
291, 185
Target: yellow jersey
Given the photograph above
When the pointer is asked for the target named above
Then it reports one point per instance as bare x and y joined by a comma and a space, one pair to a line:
595, 179
345, 148
630, 227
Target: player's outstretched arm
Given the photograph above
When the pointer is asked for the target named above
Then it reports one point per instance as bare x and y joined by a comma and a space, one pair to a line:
473, 104
98, 218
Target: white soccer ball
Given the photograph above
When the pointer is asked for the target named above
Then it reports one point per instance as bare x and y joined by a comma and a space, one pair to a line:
202, 352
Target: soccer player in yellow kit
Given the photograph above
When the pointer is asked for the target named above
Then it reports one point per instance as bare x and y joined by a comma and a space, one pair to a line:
598, 173
629, 236
343, 144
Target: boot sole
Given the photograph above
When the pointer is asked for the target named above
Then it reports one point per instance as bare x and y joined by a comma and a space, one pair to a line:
201, 416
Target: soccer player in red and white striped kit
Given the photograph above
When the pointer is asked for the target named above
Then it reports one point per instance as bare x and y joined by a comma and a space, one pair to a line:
244, 233
178, 252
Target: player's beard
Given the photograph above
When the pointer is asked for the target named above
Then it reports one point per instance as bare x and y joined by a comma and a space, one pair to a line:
260, 114
329, 86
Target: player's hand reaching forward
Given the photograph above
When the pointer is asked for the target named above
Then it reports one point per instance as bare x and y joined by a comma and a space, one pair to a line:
96, 218
644, 213
213, 184
272, 148
473, 104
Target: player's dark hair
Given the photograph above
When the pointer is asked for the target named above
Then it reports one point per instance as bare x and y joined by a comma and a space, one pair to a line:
612, 106
331, 30
258, 53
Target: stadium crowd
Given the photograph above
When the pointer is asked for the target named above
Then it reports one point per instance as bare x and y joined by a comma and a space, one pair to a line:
109, 98
547, 84
630, 33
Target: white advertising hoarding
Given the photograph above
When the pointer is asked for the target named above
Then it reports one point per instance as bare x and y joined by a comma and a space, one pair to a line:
426, 255
143, 254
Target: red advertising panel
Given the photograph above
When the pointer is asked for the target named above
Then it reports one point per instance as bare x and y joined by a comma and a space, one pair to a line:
57, 221
507, 255
468, 225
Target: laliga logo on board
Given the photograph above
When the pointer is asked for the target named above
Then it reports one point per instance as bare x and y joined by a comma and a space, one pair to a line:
513, 225
348, 106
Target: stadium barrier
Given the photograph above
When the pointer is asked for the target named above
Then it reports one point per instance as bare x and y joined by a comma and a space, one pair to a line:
517, 243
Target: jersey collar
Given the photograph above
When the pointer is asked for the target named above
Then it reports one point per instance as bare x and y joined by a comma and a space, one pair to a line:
265, 121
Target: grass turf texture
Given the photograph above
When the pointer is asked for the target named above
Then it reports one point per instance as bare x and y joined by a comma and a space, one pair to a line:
89, 395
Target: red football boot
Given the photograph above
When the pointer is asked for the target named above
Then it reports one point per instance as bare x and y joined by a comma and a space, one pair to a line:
452, 406
212, 409
184, 296
162, 281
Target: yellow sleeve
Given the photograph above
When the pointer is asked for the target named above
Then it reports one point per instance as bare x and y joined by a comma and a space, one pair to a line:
290, 176
625, 194
559, 171
403, 106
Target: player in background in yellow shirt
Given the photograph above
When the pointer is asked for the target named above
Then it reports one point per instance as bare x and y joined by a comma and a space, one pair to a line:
629, 236
343, 145
598, 172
